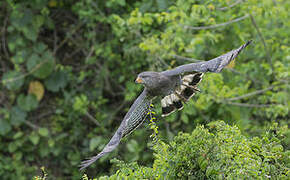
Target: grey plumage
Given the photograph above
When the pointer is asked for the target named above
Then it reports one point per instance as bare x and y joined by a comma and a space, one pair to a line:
173, 86
134, 117
214, 65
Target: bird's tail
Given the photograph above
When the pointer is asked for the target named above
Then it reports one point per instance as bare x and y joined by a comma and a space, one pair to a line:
187, 89
91, 160
114, 142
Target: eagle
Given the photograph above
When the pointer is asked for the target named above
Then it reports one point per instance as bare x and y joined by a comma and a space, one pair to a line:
175, 87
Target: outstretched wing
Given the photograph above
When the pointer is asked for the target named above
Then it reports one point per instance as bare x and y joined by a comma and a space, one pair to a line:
134, 117
214, 65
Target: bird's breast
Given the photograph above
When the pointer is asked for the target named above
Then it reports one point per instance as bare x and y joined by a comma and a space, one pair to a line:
165, 85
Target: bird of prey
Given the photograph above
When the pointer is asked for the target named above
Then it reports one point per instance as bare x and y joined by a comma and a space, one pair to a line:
175, 87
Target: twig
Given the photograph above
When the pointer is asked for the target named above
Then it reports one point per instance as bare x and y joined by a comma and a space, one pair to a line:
92, 118
90, 53
2, 97
68, 37
46, 113
3, 69
263, 41
216, 25
25, 74
230, 6
248, 105
186, 58
245, 75
55, 41
33, 126
249, 94
163, 62
113, 114
4, 37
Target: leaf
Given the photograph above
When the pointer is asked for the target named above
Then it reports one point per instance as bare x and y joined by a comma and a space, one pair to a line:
18, 155
36, 88
27, 103
5, 127
34, 138
38, 21
40, 66
132, 146
30, 33
52, 3
162, 4
12, 147
13, 80
17, 116
18, 135
56, 81
43, 132
39, 47
95, 142
19, 57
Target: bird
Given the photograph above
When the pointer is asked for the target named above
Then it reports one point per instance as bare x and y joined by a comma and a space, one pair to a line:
175, 86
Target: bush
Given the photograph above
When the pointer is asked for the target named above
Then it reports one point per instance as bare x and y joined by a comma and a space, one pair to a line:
217, 152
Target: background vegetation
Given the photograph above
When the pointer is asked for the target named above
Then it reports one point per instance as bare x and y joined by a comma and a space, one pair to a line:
67, 71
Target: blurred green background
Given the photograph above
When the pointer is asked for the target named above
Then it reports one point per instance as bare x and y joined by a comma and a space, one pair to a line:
67, 71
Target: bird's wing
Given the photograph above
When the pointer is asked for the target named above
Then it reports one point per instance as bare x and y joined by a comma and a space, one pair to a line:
214, 65
134, 117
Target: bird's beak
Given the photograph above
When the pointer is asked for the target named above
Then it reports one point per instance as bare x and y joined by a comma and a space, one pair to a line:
138, 80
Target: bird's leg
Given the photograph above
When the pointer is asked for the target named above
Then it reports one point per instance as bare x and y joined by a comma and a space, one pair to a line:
181, 97
192, 87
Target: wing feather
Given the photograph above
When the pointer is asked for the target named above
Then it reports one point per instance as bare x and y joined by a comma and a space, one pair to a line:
134, 117
214, 65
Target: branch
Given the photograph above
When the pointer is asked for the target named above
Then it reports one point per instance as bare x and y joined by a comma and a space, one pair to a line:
4, 37
263, 41
25, 74
248, 105
230, 6
186, 58
246, 76
92, 118
217, 25
68, 37
33, 126
163, 62
249, 94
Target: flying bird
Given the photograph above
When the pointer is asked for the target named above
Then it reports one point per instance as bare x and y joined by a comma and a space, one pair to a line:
175, 87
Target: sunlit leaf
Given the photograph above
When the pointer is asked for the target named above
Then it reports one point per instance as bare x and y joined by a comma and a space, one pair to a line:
36, 88
34, 138
43, 132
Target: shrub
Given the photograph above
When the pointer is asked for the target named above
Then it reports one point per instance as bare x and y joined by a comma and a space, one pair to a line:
219, 151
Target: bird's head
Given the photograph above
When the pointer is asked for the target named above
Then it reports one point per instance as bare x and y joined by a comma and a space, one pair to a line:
147, 78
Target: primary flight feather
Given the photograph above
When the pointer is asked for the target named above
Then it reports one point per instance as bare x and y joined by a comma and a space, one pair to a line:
175, 86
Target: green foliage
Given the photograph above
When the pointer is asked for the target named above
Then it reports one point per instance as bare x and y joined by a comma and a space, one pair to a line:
217, 152
27, 103
84, 56
15, 84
